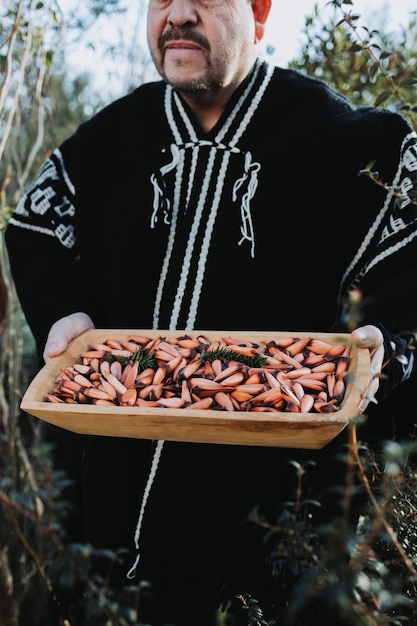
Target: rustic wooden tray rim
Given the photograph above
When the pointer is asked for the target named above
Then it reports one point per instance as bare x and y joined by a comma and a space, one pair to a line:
228, 427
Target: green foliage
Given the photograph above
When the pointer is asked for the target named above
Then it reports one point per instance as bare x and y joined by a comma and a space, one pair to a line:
374, 66
337, 572
36, 558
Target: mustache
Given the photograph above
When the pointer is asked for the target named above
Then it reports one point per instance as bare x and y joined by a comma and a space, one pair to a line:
183, 34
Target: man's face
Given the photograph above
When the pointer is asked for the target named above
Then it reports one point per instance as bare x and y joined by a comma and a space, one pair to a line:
201, 45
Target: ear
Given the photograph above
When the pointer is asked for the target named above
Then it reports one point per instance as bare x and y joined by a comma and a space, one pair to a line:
261, 9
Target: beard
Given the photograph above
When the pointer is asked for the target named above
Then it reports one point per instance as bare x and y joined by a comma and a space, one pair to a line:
201, 83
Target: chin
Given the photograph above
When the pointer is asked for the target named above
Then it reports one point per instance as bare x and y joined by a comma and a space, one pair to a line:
186, 79
189, 86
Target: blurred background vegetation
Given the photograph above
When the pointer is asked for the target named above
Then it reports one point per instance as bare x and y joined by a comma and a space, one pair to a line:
43, 98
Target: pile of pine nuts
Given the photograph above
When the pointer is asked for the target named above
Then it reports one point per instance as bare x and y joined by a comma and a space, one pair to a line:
299, 375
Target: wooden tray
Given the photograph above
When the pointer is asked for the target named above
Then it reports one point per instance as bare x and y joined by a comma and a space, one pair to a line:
280, 429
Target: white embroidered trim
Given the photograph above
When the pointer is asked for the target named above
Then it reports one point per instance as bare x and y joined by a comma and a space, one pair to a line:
247, 183
177, 162
155, 462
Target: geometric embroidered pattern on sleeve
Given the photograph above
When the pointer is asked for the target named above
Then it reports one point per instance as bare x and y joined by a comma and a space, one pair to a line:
390, 231
47, 206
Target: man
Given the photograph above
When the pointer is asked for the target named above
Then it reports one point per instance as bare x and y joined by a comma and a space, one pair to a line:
226, 196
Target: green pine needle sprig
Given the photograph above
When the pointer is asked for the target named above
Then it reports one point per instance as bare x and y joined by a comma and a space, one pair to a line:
143, 359
228, 354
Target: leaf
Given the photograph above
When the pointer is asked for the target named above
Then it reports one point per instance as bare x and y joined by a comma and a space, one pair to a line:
373, 71
367, 171
356, 47
409, 81
401, 358
383, 97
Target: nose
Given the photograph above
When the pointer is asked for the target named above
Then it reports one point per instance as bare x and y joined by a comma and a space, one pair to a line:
182, 13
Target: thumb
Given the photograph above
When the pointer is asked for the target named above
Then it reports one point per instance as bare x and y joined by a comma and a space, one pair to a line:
367, 337
55, 345
63, 331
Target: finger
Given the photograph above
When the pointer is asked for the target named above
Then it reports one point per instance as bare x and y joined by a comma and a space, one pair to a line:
367, 337
54, 347
63, 331
370, 395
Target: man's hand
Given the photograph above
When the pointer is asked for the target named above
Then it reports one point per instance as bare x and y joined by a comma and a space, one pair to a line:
63, 331
372, 338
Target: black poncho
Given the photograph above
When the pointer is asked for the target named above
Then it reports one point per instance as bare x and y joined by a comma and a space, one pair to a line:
142, 220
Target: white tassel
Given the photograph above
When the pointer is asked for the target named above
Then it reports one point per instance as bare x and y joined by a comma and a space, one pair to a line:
158, 191
250, 175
